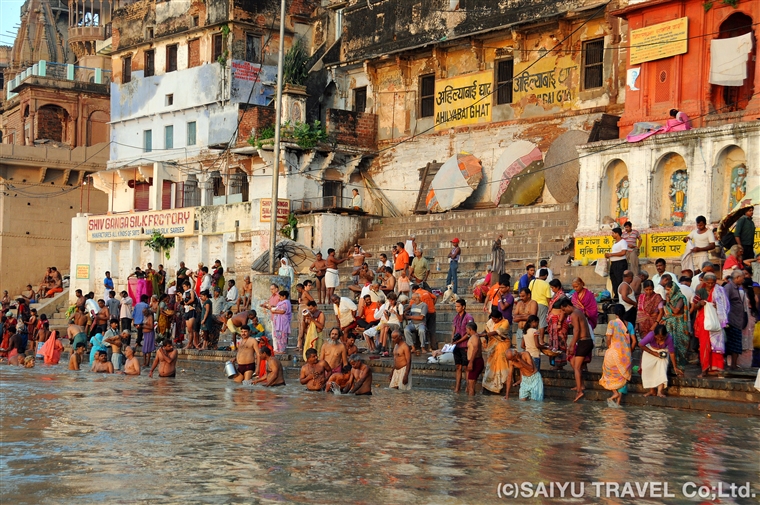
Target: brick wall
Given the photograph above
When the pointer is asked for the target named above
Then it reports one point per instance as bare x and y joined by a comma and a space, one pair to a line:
253, 119
358, 129
51, 124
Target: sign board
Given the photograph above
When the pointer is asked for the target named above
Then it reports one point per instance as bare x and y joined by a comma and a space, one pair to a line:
666, 245
463, 100
550, 80
659, 41
265, 210
83, 271
141, 225
592, 248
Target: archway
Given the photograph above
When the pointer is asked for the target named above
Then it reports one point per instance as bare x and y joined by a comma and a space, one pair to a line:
98, 129
615, 192
733, 98
669, 191
729, 181
51, 123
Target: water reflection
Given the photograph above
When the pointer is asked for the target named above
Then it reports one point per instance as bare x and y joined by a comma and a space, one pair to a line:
83, 438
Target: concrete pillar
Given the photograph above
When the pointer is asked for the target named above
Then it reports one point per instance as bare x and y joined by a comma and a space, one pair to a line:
228, 253
203, 250
133, 255
112, 263
260, 294
157, 188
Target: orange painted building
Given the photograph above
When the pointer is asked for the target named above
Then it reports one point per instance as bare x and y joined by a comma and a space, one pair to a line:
681, 81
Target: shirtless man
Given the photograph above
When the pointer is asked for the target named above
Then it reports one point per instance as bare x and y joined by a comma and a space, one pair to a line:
581, 342
524, 308
531, 384
100, 323
388, 283
116, 343
274, 376
334, 352
351, 345
340, 379
236, 323
166, 360
402, 363
244, 299
361, 377
101, 363
248, 355
132, 366
76, 357
313, 372
332, 280
475, 363
80, 318
358, 258
319, 267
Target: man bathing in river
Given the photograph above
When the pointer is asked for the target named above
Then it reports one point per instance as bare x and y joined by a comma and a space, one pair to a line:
247, 355
531, 384
76, 357
101, 363
475, 363
313, 372
274, 376
361, 377
334, 352
402, 363
166, 360
581, 344
132, 366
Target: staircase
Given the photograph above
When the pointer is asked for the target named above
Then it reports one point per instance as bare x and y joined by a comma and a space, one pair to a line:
529, 234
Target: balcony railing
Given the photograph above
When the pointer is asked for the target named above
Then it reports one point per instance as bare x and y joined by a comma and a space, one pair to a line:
322, 204
61, 72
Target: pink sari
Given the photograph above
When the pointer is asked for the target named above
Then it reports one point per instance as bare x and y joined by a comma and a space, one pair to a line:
52, 349
587, 303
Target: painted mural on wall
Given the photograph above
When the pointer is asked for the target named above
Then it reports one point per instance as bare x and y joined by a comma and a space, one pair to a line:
621, 195
679, 183
738, 185
552, 81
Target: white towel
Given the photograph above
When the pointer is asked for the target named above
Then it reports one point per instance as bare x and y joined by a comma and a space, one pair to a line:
654, 371
728, 60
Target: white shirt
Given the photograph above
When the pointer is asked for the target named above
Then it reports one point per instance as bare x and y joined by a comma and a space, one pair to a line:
344, 311
91, 306
702, 239
206, 283
375, 296
387, 264
356, 201
656, 280
396, 313
232, 294
172, 290
619, 246
687, 292
548, 277
126, 308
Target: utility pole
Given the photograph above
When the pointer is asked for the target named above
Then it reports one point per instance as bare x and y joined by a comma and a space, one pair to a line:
276, 167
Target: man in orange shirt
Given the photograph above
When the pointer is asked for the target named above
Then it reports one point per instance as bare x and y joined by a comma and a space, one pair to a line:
400, 260
428, 299
367, 319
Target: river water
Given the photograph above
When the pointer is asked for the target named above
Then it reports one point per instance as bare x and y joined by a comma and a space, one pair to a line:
78, 437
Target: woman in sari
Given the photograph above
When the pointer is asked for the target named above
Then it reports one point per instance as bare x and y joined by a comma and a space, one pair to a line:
52, 349
616, 369
557, 326
281, 316
164, 316
711, 343
676, 318
481, 287
97, 345
497, 367
651, 309
198, 277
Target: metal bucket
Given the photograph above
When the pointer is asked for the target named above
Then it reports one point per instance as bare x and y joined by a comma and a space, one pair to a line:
230, 369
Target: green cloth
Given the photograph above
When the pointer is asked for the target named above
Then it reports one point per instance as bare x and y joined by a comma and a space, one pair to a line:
745, 230
420, 267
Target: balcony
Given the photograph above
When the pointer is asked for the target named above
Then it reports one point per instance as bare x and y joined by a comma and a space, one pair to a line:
56, 75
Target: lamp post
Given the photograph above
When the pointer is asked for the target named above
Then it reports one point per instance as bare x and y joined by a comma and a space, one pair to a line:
278, 119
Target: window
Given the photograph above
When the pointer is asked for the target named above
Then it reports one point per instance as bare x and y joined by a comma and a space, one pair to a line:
169, 99
171, 58
126, 71
217, 47
150, 63
196, 21
252, 48
360, 99
191, 133
593, 61
169, 137
427, 95
148, 141
149, 33
193, 53
504, 73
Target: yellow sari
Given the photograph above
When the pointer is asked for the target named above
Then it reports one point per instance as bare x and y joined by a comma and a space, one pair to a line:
313, 339
495, 353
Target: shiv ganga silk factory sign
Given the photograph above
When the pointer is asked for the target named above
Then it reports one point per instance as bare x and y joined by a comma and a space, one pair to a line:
141, 225
463, 100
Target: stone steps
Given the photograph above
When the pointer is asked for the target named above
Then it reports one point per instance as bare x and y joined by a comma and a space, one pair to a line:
503, 212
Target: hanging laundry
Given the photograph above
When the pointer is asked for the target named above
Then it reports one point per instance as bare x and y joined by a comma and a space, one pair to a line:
728, 60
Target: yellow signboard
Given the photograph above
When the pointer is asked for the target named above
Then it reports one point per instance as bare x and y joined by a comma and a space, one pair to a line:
666, 245
463, 100
83, 271
659, 41
592, 248
549, 79
141, 225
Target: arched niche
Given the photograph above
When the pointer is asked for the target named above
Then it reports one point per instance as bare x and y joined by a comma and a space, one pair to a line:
729, 180
615, 201
669, 192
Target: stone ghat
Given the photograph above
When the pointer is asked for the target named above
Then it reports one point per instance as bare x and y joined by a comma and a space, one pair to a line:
733, 395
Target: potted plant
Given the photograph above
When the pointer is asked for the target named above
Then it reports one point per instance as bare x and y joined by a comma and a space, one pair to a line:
294, 71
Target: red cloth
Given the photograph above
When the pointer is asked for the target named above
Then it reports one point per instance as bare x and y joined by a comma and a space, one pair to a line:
139, 287
51, 350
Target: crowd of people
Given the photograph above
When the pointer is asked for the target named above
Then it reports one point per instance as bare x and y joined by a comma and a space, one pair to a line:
705, 316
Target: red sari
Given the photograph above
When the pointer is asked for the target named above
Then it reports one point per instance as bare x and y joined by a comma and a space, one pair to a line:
648, 305
557, 327
708, 359
52, 349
